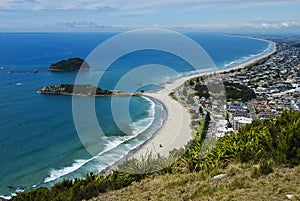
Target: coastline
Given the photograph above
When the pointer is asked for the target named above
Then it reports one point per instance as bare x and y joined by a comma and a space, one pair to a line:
176, 126
252, 61
176, 131
178, 118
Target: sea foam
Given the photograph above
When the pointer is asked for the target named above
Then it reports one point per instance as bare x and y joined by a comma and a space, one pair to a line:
111, 143
141, 125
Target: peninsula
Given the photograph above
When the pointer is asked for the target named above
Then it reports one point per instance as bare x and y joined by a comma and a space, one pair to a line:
72, 64
80, 90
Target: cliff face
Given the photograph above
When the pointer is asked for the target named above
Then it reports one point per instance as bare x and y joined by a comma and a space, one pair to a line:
72, 64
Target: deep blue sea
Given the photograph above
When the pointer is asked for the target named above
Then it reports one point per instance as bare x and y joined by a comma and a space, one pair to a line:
39, 144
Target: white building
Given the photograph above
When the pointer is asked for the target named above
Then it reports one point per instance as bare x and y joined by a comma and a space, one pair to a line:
239, 122
221, 128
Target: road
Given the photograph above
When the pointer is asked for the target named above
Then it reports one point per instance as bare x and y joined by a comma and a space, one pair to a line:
252, 111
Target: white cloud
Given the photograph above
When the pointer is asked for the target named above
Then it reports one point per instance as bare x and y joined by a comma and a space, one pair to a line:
92, 24
273, 25
135, 13
198, 4
81, 24
229, 26
86, 24
17, 4
130, 4
286, 24
187, 13
99, 5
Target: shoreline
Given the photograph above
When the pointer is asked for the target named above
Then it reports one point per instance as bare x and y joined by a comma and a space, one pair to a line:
176, 130
252, 61
164, 135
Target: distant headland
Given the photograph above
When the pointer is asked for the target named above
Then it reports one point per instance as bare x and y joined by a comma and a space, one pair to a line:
81, 90
72, 64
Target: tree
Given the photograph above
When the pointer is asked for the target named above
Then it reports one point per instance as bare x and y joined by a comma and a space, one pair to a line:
200, 110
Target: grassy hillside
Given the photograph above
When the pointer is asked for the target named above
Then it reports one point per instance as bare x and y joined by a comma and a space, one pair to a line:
260, 162
242, 182
266, 154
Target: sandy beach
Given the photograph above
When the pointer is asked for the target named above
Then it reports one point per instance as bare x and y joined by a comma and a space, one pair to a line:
176, 131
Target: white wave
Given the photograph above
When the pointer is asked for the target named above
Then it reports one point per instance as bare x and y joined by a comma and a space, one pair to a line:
151, 110
247, 58
172, 78
112, 143
195, 72
166, 79
143, 124
242, 60
20, 190
55, 174
229, 64
5, 197
9, 197
160, 106
19, 83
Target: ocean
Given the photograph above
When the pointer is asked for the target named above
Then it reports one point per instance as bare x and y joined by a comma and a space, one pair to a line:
38, 139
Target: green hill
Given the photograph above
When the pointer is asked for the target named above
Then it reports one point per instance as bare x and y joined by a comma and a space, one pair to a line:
260, 162
72, 64
78, 89
240, 183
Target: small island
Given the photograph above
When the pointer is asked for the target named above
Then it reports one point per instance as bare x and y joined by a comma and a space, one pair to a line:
80, 90
72, 64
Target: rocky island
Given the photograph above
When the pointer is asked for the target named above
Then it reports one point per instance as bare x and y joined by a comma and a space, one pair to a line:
72, 64
80, 90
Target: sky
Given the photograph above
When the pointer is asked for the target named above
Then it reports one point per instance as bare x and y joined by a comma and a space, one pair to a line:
258, 16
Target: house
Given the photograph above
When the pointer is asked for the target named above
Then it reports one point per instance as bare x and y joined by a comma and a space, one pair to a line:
239, 122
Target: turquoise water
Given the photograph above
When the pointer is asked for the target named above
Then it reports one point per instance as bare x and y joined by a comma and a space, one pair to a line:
38, 140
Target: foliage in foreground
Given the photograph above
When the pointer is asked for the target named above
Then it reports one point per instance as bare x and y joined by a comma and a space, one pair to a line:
240, 183
80, 189
268, 143
277, 141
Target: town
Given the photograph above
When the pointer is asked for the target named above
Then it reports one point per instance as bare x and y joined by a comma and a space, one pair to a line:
274, 82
